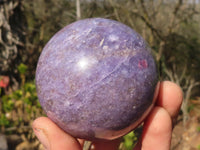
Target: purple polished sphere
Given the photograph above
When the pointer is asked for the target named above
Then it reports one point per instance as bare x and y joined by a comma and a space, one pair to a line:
96, 79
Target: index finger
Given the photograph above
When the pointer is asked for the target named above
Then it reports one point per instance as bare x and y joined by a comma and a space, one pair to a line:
170, 98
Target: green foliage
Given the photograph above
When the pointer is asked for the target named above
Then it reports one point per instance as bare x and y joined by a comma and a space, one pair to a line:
130, 140
20, 106
198, 129
198, 147
22, 68
7, 104
4, 121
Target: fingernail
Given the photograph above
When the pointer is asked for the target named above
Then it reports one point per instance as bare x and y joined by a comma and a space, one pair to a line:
42, 137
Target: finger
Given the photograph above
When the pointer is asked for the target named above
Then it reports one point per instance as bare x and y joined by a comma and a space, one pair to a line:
52, 137
106, 145
170, 97
81, 141
157, 131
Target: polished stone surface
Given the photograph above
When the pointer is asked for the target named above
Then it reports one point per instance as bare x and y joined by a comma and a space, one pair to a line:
96, 79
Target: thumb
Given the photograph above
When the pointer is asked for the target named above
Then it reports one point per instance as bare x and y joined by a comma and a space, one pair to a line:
52, 137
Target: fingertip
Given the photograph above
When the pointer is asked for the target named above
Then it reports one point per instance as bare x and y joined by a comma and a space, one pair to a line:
41, 133
52, 137
40, 121
170, 97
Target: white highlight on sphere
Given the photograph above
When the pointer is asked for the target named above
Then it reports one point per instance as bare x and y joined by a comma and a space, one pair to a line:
86, 62
83, 63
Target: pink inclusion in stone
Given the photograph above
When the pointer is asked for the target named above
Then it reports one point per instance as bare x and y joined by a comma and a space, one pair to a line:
143, 64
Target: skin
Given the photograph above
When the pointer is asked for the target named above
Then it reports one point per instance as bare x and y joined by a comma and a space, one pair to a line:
156, 134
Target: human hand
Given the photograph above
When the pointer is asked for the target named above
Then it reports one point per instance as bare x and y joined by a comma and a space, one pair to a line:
157, 129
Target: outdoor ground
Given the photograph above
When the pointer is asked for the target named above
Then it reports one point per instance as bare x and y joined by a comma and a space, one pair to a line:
188, 138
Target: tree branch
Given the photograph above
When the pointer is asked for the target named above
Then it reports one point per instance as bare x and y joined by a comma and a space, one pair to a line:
78, 10
152, 28
175, 12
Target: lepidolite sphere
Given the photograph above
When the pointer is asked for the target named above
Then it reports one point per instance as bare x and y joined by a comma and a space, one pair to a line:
96, 79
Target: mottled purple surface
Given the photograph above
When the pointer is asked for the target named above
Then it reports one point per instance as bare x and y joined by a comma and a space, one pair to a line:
96, 79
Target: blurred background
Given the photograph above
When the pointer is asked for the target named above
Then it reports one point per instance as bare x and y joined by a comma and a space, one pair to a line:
171, 27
